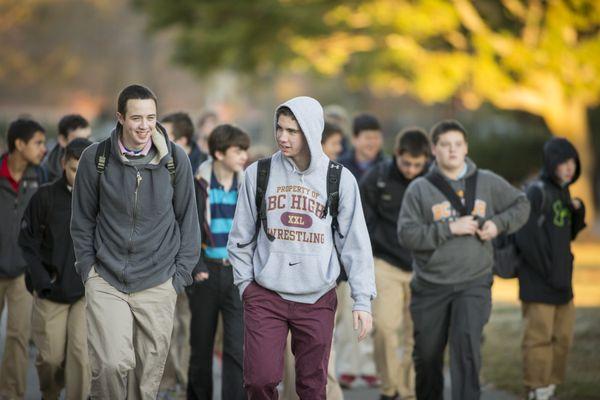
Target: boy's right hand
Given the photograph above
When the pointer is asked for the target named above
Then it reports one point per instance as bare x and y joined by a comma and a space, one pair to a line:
201, 276
466, 225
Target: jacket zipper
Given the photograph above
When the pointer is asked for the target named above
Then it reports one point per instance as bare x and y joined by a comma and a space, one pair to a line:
138, 181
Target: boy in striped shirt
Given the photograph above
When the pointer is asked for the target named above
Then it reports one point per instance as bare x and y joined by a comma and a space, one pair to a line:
213, 291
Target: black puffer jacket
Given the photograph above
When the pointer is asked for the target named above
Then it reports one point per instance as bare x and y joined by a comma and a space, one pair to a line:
546, 272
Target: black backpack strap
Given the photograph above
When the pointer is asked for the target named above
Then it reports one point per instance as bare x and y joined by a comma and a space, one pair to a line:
382, 178
443, 186
102, 157
470, 192
542, 217
262, 181
334, 175
171, 168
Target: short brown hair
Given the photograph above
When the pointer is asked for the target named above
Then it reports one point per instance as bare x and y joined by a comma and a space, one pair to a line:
330, 129
412, 141
445, 126
182, 125
225, 136
134, 92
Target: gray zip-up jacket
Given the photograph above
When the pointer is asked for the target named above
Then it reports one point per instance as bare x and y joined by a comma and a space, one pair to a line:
301, 263
424, 226
12, 207
138, 230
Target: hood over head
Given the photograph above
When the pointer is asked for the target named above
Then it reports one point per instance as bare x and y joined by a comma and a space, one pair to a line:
309, 115
556, 151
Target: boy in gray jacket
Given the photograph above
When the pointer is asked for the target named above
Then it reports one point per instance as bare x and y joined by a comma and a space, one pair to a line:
135, 234
453, 259
287, 277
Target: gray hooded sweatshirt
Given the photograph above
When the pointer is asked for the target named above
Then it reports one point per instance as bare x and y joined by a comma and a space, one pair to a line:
424, 226
301, 263
137, 229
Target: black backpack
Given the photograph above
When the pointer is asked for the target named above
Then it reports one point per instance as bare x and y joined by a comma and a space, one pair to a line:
507, 257
103, 156
334, 174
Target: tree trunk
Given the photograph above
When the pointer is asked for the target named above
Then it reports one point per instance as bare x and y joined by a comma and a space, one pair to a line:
571, 122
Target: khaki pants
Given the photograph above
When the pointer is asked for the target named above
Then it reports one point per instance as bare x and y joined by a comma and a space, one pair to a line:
353, 357
547, 338
13, 372
128, 338
390, 313
334, 391
178, 360
60, 335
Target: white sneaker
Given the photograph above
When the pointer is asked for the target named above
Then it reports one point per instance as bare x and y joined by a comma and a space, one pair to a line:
542, 393
551, 389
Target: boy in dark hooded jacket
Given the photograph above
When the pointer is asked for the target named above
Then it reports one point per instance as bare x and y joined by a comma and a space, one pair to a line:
545, 277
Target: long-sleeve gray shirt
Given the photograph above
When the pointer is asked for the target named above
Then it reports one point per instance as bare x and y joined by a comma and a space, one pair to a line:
424, 226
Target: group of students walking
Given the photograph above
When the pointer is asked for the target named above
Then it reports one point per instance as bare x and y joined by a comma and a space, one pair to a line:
142, 243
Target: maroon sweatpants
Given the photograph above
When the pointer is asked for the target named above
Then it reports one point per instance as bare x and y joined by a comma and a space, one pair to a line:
267, 319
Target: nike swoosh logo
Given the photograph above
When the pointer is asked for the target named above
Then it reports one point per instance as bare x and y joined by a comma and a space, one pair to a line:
296, 263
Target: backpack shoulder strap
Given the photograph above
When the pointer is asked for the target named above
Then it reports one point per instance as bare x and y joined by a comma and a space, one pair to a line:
440, 183
334, 176
102, 155
382, 177
263, 171
443, 186
538, 183
171, 167
101, 158
470, 192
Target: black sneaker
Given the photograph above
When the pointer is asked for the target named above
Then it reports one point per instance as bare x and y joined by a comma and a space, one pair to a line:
394, 397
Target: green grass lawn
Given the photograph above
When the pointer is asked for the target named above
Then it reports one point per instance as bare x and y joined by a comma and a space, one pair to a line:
502, 353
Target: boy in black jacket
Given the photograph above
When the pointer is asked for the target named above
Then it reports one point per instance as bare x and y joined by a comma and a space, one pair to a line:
58, 316
382, 190
545, 277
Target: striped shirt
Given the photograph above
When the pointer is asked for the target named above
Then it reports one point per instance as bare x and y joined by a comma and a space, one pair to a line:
222, 208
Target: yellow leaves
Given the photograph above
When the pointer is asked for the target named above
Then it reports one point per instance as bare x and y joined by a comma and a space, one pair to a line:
356, 19
383, 83
440, 75
419, 19
329, 54
404, 46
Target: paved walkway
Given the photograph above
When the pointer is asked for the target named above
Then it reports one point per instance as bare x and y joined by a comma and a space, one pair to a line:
33, 392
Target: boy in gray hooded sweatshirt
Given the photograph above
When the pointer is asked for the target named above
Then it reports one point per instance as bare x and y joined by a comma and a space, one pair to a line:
453, 259
287, 278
